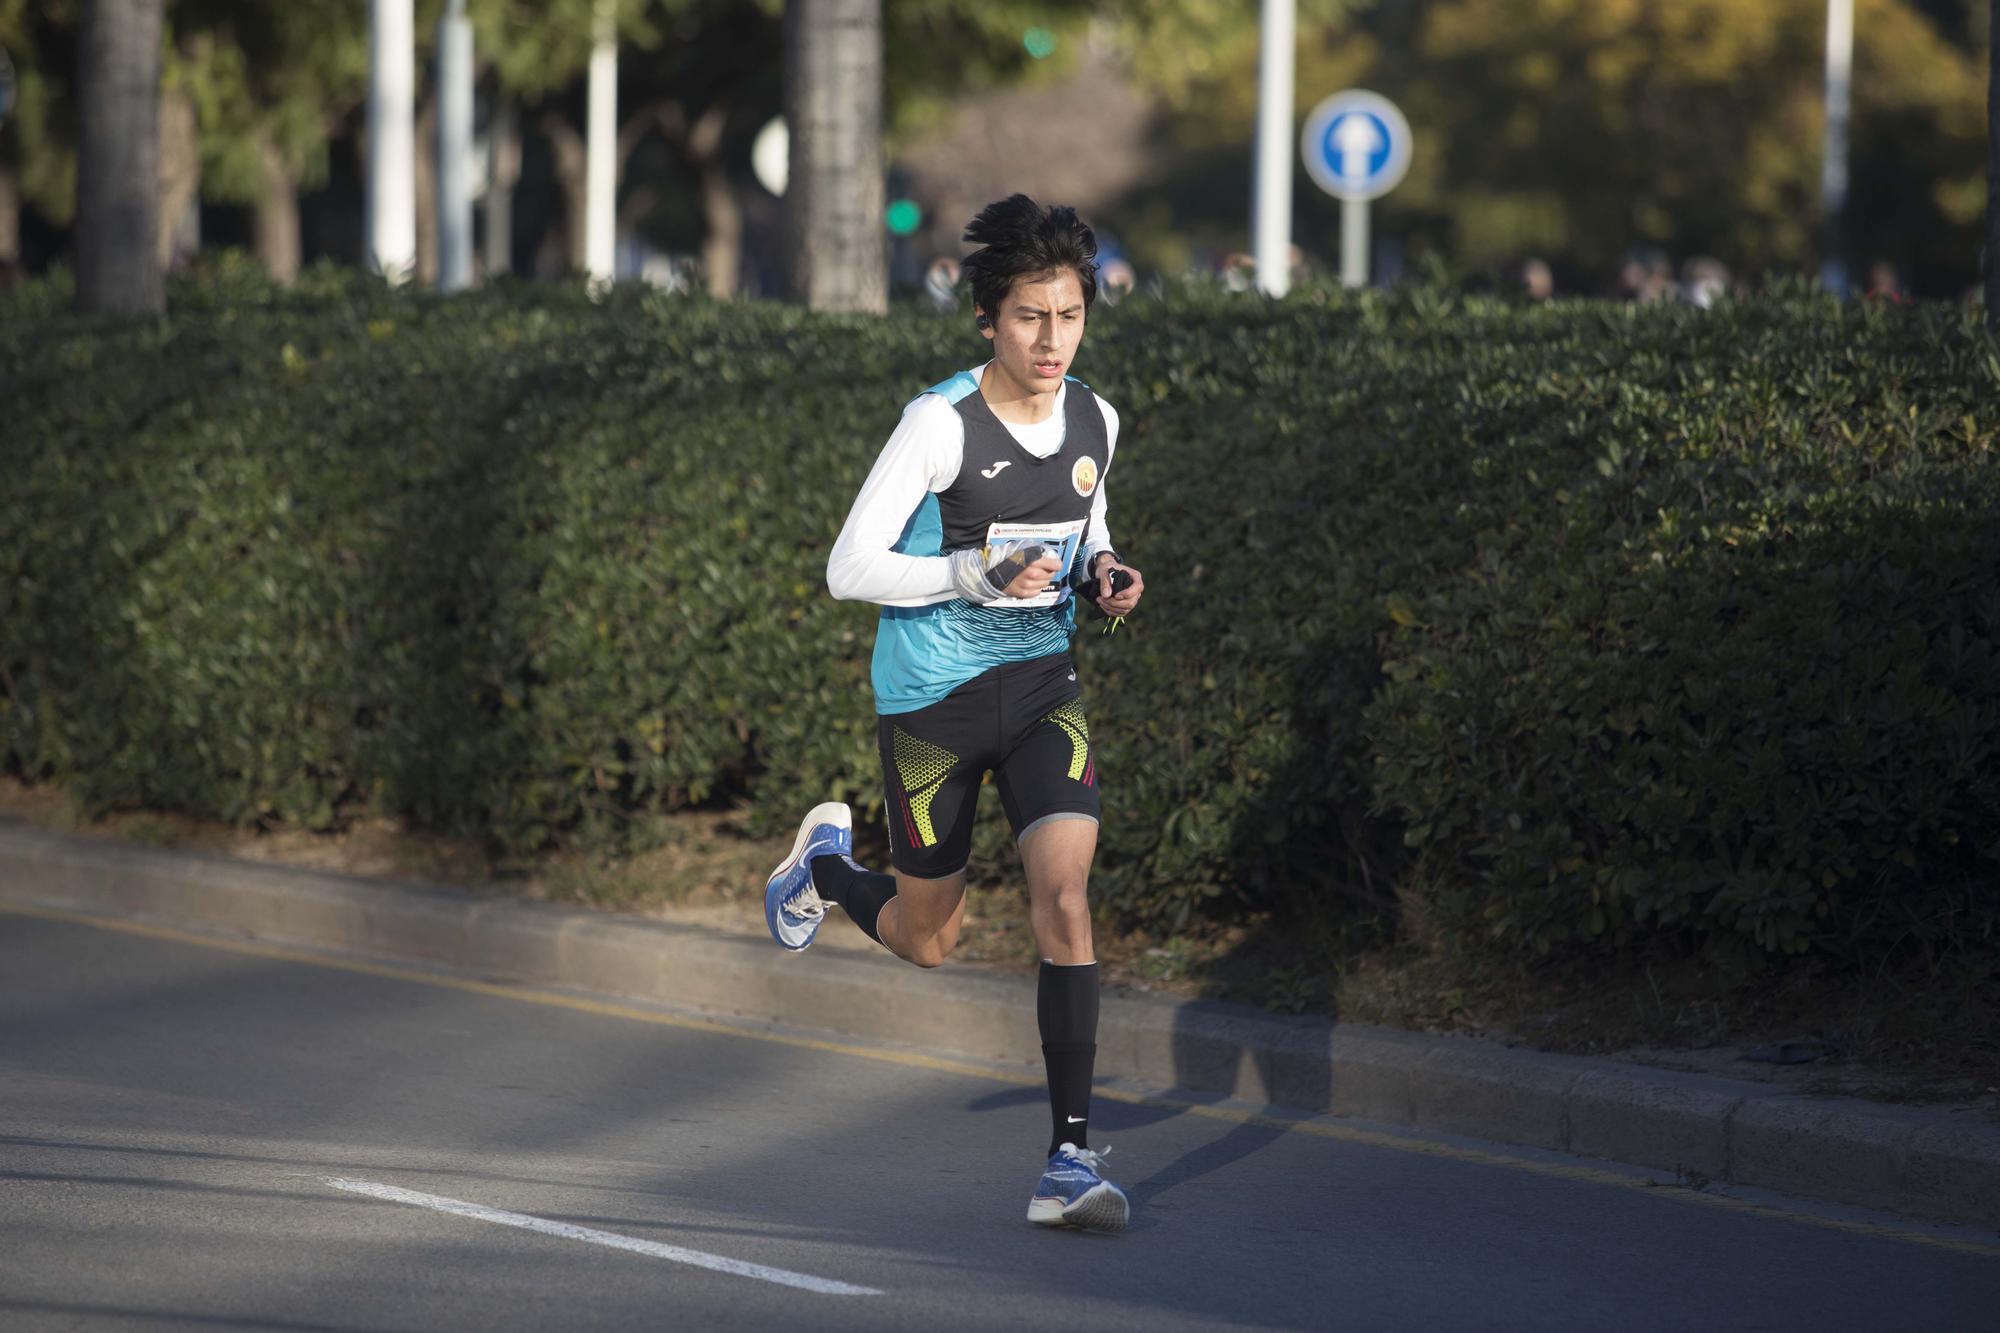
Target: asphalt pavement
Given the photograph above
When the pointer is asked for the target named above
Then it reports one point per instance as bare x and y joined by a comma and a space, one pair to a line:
215, 1135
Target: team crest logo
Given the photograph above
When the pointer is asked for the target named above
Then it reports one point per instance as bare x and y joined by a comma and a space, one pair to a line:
1084, 476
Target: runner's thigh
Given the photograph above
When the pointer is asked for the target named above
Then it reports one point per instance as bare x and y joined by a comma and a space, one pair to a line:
1051, 773
930, 784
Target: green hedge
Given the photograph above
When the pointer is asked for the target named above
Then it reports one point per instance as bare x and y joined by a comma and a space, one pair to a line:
1725, 656
1546, 626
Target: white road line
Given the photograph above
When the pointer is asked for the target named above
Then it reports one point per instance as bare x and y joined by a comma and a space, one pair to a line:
674, 1253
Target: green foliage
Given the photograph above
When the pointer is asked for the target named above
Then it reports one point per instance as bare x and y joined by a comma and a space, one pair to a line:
1574, 129
1720, 660
1702, 119
38, 140
265, 79
1554, 628
537, 47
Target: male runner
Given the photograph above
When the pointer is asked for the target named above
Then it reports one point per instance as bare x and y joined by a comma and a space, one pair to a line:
980, 523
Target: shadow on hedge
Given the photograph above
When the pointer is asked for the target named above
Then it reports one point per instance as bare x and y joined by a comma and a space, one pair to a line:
1752, 747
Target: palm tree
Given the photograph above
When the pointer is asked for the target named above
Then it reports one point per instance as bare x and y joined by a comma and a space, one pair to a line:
118, 158
837, 250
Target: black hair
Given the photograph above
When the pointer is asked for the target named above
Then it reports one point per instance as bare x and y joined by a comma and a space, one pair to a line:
1018, 238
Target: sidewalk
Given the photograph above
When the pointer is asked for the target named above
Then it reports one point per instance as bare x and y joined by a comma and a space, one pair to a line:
1922, 1161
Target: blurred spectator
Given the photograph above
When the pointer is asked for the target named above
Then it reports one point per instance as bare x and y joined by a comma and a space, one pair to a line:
1115, 280
1115, 275
668, 272
941, 282
1538, 280
1885, 284
1645, 275
1704, 281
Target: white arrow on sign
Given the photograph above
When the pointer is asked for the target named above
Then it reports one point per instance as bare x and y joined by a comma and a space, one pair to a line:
1357, 139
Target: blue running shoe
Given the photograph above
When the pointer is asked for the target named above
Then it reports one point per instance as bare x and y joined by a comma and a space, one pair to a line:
1073, 1193
791, 905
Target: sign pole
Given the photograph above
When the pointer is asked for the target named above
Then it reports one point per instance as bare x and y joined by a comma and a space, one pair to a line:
1833, 161
1354, 242
1993, 171
392, 160
454, 125
1356, 146
600, 162
1271, 203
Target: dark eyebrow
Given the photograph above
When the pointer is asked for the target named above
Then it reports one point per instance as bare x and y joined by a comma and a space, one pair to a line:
1026, 309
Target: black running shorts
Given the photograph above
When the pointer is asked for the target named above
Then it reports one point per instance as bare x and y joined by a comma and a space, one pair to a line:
1024, 723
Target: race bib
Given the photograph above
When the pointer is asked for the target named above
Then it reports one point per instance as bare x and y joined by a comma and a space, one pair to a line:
1021, 544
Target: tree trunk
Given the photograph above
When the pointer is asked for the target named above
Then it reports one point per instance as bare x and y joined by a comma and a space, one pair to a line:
572, 154
10, 220
118, 158
722, 216
566, 145
503, 174
277, 218
180, 179
836, 247
1993, 168
427, 192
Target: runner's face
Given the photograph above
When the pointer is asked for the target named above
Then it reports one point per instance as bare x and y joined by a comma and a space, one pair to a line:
1038, 329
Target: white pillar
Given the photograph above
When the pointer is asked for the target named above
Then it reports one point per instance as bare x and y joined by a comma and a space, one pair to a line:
454, 215
392, 136
1271, 204
600, 169
1993, 171
1833, 163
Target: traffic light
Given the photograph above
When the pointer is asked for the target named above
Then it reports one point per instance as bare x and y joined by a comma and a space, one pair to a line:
903, 217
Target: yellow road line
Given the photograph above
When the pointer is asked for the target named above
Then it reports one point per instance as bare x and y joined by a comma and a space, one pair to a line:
1319, 1128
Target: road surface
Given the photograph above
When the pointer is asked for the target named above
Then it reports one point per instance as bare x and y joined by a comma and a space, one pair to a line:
206, 1134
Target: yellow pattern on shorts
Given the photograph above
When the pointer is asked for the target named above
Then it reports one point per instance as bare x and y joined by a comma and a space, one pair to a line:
1070, 718
921, 767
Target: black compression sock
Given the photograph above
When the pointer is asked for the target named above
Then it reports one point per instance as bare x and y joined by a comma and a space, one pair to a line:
860, 892
1066, 1008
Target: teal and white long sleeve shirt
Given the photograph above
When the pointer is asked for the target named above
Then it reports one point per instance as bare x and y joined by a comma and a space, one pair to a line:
954, 476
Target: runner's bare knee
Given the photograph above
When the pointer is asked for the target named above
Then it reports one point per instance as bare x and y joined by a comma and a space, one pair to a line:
929, 952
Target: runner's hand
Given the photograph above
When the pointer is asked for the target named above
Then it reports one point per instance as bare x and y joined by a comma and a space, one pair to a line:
1034, 580
1119, 603
1014, 577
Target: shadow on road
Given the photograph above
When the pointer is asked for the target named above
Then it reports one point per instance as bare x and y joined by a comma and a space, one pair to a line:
1240, 1142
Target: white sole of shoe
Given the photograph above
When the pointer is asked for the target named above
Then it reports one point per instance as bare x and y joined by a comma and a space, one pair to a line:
1101, 1208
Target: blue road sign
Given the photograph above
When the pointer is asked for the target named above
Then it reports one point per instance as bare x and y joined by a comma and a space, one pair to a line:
1356, 145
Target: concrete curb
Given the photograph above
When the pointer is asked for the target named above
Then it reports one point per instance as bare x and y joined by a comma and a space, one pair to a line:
1920, 1161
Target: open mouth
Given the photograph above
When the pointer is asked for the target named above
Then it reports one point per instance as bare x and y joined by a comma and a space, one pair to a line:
1048, 370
